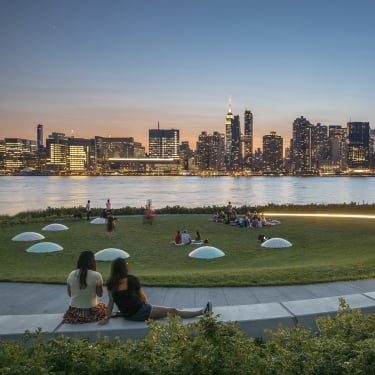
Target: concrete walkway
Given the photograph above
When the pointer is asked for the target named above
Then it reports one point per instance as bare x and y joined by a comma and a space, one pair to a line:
28, 298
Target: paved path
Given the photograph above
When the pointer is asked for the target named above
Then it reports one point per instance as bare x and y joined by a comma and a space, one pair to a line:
28, 298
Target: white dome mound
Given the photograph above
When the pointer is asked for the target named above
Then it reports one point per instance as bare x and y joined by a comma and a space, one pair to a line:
110, 254
98, 220
206, 252
44, 247
55, 227
28, 236
276, 243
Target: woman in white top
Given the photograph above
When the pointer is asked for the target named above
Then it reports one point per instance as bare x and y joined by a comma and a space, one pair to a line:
84, 286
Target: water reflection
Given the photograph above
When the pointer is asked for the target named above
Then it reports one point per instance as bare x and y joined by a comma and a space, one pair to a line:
22, 193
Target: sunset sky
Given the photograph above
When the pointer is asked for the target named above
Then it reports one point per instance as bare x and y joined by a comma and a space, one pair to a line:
117, 67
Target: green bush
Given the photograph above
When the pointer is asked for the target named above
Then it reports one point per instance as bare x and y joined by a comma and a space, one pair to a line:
344, 344
64, 212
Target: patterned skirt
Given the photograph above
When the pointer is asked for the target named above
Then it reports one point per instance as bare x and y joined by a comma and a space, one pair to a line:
76, 315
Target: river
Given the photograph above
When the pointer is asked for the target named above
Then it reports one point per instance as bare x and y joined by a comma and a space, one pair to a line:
24, 193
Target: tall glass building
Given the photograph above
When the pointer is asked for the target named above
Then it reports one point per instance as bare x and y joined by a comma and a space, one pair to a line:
164, 143
39, 137
248, 139
272, 152
359, 145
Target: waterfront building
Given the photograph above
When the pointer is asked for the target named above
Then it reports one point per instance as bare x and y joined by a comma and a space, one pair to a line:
248, 138
41, 150
272, 153
2, 155
39, 138
309, 147
81, 155
236, 154
145, 165
18, 153
57, 151
287, 159
116, 147
164, 143
210, 152
233, 154
337, 148
358, 145
301, 153
258, 160
372, 148
186, 155
319, 145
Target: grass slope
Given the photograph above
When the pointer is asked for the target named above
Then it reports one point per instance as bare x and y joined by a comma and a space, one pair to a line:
324, 249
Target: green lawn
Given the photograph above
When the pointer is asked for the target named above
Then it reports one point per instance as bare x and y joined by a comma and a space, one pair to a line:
324, 249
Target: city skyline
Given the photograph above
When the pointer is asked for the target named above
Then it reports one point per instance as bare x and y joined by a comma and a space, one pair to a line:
118, 68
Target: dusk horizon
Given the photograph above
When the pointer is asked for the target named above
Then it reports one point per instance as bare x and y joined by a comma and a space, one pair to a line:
118, 68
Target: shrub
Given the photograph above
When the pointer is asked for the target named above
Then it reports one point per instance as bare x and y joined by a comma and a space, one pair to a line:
344, 344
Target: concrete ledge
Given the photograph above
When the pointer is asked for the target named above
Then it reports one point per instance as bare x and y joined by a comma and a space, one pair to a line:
252, 319
116, 327
14, 326
307, 311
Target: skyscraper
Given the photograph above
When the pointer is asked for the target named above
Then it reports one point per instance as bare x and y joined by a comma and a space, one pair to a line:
319, 144
57, 151
272, 152
359, 145
228, 135
210, 152
301, 143
19, 153
39, 137
81, 154
235, 152
164, 143
248, 139
233, 155
337, 146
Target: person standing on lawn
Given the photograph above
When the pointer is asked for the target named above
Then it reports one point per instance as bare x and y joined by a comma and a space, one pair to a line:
88, 210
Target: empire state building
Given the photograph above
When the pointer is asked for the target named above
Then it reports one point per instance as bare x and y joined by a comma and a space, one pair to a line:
228, 134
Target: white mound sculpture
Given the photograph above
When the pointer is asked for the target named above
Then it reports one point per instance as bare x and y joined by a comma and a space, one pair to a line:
206, 252
55, 227
276, 243
28, 236
110, 254
44, 247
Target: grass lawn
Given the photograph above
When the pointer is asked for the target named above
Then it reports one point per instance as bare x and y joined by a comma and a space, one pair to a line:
324, 249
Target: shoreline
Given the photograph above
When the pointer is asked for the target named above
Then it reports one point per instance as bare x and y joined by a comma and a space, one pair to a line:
78, 212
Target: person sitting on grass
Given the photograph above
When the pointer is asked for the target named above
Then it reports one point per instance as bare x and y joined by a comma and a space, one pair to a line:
185, 238
197, 239
84, 284
177, 238
126, 292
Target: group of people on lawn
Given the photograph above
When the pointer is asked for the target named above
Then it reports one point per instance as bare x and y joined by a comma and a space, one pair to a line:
249, 220
183, 238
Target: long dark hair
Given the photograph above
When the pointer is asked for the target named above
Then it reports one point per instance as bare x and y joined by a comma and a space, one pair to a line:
119, 270
86, 261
